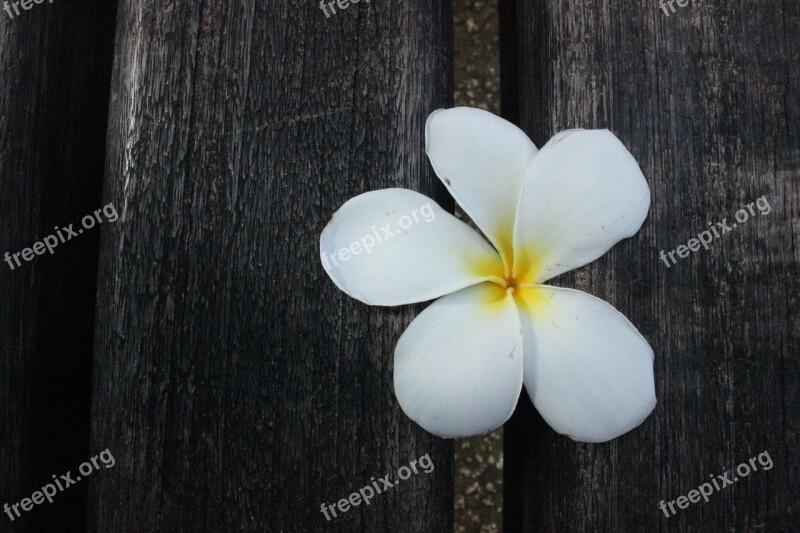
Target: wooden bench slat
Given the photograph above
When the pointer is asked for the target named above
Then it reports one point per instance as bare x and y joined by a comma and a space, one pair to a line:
239, 388
706, 100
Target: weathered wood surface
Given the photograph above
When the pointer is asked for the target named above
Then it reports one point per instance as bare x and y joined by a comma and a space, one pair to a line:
236, 386
708, 101
55, 67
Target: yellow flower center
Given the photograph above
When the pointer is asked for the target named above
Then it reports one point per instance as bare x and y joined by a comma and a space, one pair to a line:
511, 285
516, 277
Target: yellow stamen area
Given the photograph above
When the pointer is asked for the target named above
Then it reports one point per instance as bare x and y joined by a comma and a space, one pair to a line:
506, 251
529, 265
535, 298
488, 265
517, 278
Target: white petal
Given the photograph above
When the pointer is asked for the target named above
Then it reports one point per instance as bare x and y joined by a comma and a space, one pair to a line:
395, 247
588, 371
583, 193
458, 366
481, 159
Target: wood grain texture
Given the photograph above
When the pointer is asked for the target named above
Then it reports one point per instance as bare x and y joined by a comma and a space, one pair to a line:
55, 68
236, 386
708, 101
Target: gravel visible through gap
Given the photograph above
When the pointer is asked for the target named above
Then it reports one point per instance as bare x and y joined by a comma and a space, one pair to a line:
479, 460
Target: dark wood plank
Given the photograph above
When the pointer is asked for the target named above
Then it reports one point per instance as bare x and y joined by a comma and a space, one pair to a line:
55, 69
238, 388
708, 101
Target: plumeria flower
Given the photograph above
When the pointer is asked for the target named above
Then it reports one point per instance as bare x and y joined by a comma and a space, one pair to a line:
460, 366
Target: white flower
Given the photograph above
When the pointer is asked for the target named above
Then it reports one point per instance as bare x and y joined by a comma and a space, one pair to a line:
460, 366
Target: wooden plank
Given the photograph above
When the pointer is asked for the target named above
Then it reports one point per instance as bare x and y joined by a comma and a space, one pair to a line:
708, 101
236, 386
55, 68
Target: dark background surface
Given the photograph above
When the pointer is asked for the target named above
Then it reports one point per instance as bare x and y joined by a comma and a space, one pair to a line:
235, 386
242, 389
708, 102
55, 68
239, 390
